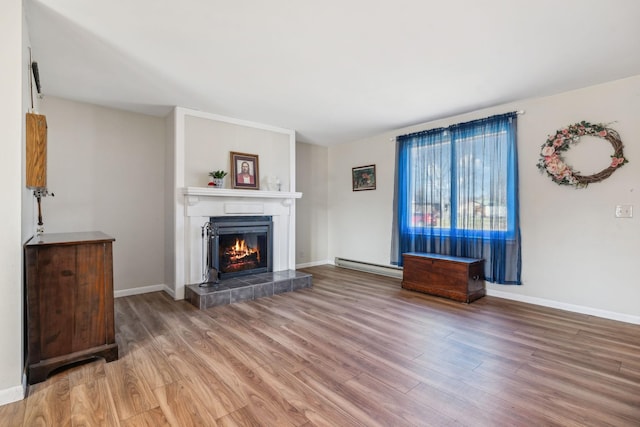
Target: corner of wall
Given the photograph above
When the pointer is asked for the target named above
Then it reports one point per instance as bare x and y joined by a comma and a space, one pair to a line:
170, 197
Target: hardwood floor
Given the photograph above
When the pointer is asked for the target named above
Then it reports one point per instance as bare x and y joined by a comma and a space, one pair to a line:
354, 350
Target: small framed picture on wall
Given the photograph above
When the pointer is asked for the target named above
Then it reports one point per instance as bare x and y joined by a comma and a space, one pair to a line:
244, 170
364, 178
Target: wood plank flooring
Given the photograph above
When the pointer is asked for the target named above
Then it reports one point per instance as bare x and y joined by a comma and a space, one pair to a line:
354, 350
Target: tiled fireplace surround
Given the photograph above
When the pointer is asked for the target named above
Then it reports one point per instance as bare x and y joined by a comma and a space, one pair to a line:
202, 203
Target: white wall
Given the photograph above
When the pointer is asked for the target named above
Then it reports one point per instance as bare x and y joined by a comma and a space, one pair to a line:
11, 161
360, 221
575, 253
106, 168
312, 220
209, 142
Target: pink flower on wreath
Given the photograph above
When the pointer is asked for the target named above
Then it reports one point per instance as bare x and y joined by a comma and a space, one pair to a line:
617, 161
602, 133
558, 142
565, 131
548, 151
563, 169
557, 167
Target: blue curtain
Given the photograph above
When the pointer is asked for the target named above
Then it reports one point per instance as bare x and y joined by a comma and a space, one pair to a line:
456, 194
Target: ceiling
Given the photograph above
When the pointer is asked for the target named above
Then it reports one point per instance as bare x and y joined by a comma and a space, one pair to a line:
335, 71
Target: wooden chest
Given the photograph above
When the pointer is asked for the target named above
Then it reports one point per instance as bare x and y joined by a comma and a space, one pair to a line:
456, 278
69, 301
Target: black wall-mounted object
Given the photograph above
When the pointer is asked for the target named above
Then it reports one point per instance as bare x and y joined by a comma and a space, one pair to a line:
36, 75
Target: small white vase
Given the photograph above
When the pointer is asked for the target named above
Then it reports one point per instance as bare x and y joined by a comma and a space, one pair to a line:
218, 182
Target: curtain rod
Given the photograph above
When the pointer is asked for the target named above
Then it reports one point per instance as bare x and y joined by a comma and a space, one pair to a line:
519, 113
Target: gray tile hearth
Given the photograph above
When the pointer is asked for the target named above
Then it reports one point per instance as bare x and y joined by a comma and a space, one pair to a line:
246, 288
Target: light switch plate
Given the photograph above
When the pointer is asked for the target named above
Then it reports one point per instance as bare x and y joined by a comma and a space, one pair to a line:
624, 211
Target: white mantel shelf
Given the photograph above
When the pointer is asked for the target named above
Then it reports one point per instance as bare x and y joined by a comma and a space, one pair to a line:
225, 192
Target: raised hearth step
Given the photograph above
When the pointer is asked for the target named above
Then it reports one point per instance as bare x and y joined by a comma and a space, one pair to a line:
246, 288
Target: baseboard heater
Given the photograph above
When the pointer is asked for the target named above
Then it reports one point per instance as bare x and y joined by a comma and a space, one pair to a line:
384, 270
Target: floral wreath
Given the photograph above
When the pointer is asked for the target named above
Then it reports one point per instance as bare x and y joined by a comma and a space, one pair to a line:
552, 162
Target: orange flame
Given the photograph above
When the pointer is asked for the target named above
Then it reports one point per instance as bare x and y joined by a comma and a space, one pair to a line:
240, 250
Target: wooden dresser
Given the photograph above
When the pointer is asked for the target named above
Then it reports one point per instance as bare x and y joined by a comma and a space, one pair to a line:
457, 278
69, 301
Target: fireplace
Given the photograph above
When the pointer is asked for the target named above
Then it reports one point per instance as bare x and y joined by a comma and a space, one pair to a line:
240, 245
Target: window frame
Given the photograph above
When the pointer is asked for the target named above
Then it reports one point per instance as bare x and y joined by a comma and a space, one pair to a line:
508, 233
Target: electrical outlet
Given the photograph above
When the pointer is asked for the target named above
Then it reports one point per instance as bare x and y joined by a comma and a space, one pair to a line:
624, 211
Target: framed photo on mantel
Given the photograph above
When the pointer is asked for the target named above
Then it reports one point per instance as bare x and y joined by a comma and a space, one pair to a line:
364, 178
244, 171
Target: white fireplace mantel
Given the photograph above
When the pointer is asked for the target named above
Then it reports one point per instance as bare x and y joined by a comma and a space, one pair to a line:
197, 194
201, 203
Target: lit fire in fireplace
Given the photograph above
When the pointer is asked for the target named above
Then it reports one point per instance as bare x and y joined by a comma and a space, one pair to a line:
240, 252
240, 245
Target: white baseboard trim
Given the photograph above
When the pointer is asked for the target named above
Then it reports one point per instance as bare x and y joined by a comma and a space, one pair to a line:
170, 291
143, 290
12, 394
313, 264
611, 315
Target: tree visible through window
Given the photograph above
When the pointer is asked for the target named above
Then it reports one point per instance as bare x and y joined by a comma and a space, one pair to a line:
456, 194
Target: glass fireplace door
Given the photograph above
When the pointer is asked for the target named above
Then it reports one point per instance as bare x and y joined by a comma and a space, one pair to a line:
241, 245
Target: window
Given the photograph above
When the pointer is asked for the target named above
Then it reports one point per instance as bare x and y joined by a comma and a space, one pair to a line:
456, 194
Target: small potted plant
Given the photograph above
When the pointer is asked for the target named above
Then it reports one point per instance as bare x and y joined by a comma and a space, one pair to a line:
217, 178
